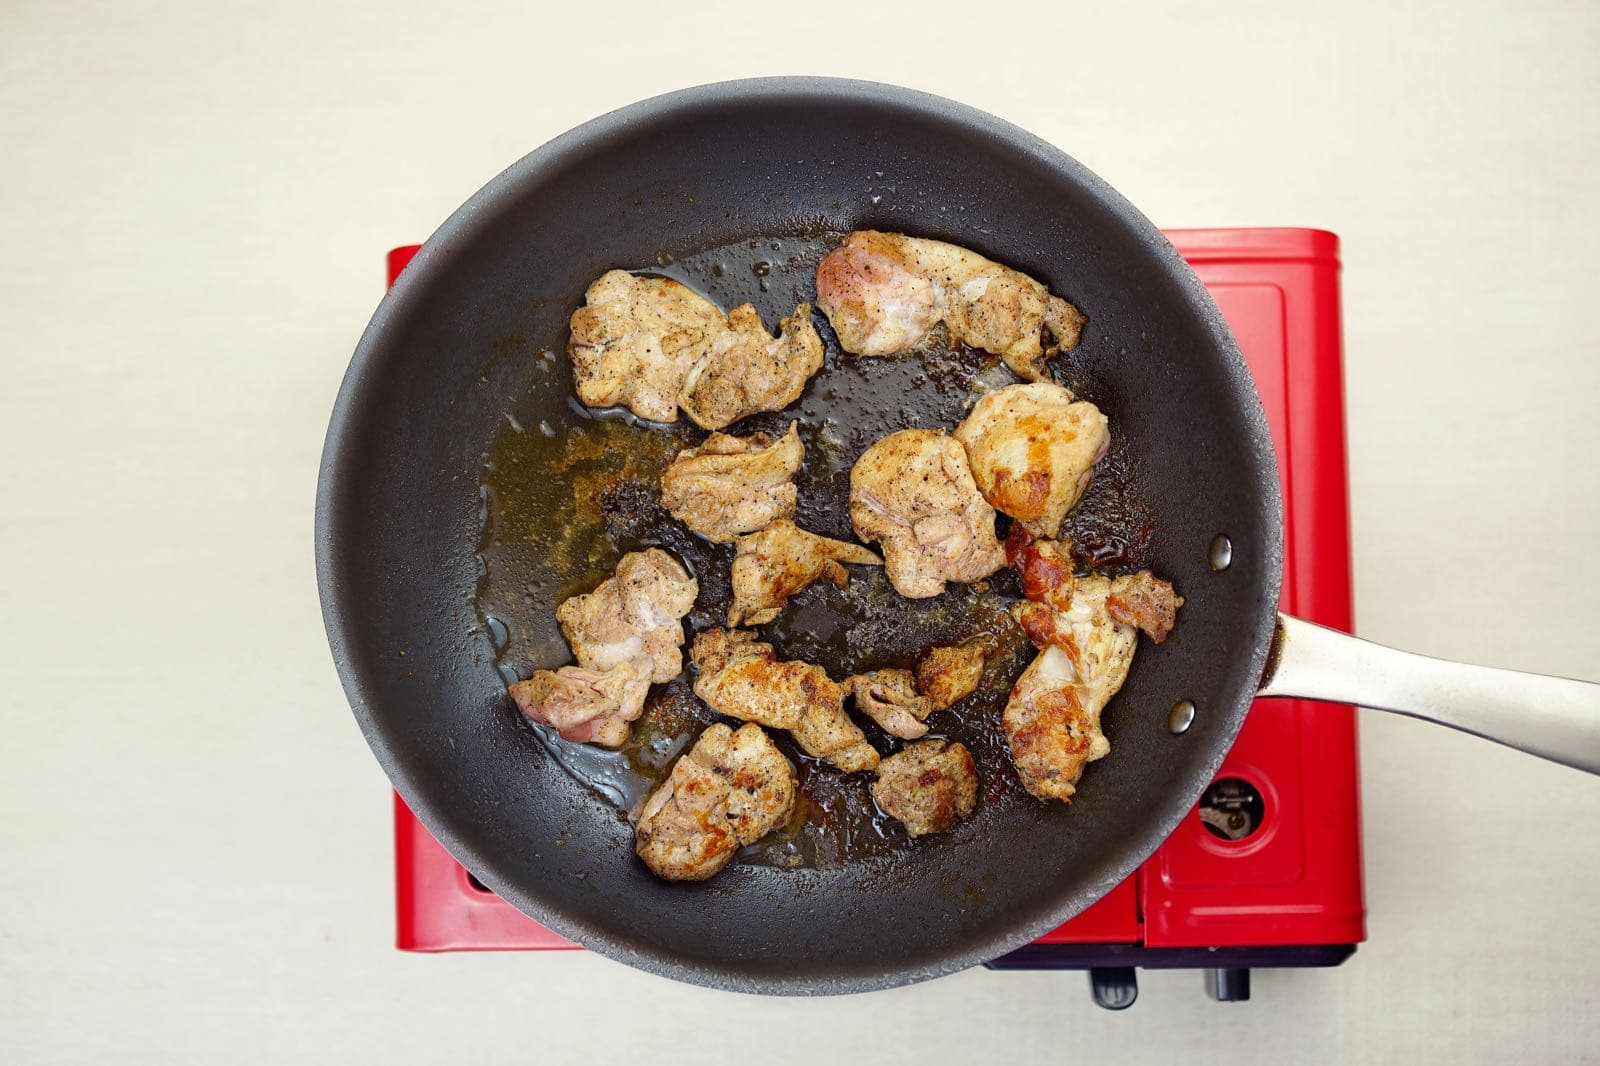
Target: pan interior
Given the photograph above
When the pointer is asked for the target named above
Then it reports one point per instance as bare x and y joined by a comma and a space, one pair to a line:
567, 491
453, 363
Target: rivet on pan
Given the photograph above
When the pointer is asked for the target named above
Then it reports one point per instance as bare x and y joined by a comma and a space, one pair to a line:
1221, 552
1181, 717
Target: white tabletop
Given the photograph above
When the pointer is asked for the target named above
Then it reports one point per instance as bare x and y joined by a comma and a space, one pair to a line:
196, 852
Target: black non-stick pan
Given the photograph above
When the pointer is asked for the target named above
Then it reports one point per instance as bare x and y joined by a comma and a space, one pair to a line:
449, 359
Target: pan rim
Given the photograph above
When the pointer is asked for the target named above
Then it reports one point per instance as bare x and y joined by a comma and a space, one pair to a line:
436, 255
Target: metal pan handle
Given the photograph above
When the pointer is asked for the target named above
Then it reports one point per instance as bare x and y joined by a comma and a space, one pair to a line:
1555, 718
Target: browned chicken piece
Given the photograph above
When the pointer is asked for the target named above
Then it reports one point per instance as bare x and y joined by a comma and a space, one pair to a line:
929, 786
653, 345
1045, 566
747, 370
1101, 648
1052, 720
742, 678
636, 613
779, 561
890, 698
952, 673
714, 650
1050, 732
635, 340
913, 493
1145, 601
587, 706
729, 790
1033, 449
828, 733
733, 485
884, 292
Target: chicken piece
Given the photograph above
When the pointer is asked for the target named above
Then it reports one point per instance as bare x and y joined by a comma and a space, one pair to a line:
653, 345
884, 292
635, 340
740, 677
747, 370
714, 650
733, 485
779, 561
1045, 566
946, 675
1101, 648
1142, 599
587, 706
1145, 601
1050, 732
729, 790
929, 786
1033, 450
1052, 720
890, 698
877, 303
913, 493
638, 612
826, 732
901, 701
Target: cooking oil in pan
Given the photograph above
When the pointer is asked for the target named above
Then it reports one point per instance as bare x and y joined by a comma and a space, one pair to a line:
567, 491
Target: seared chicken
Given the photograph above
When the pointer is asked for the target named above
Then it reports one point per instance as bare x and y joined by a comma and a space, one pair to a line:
1145, 601
1050, 732
729, 790
913, 492
1141, 600
890, 698
733, 485
740, 677
625, 634
635, 614
779, 561
587, 706
948, 674
884, 292
900, 701
747, 371
1033, 450
715, 650
653, 345
1052, 720
634, 340
929, 786
1101, 648
1045, 566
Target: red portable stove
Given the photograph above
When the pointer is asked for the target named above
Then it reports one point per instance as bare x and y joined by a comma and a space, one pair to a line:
1268, 871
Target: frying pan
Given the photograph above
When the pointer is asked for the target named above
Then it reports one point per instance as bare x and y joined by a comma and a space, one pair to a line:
399, 515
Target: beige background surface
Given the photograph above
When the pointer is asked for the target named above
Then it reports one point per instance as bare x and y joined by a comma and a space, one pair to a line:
194, 200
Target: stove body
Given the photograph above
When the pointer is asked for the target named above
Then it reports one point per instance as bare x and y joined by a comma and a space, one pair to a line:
1268, 871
